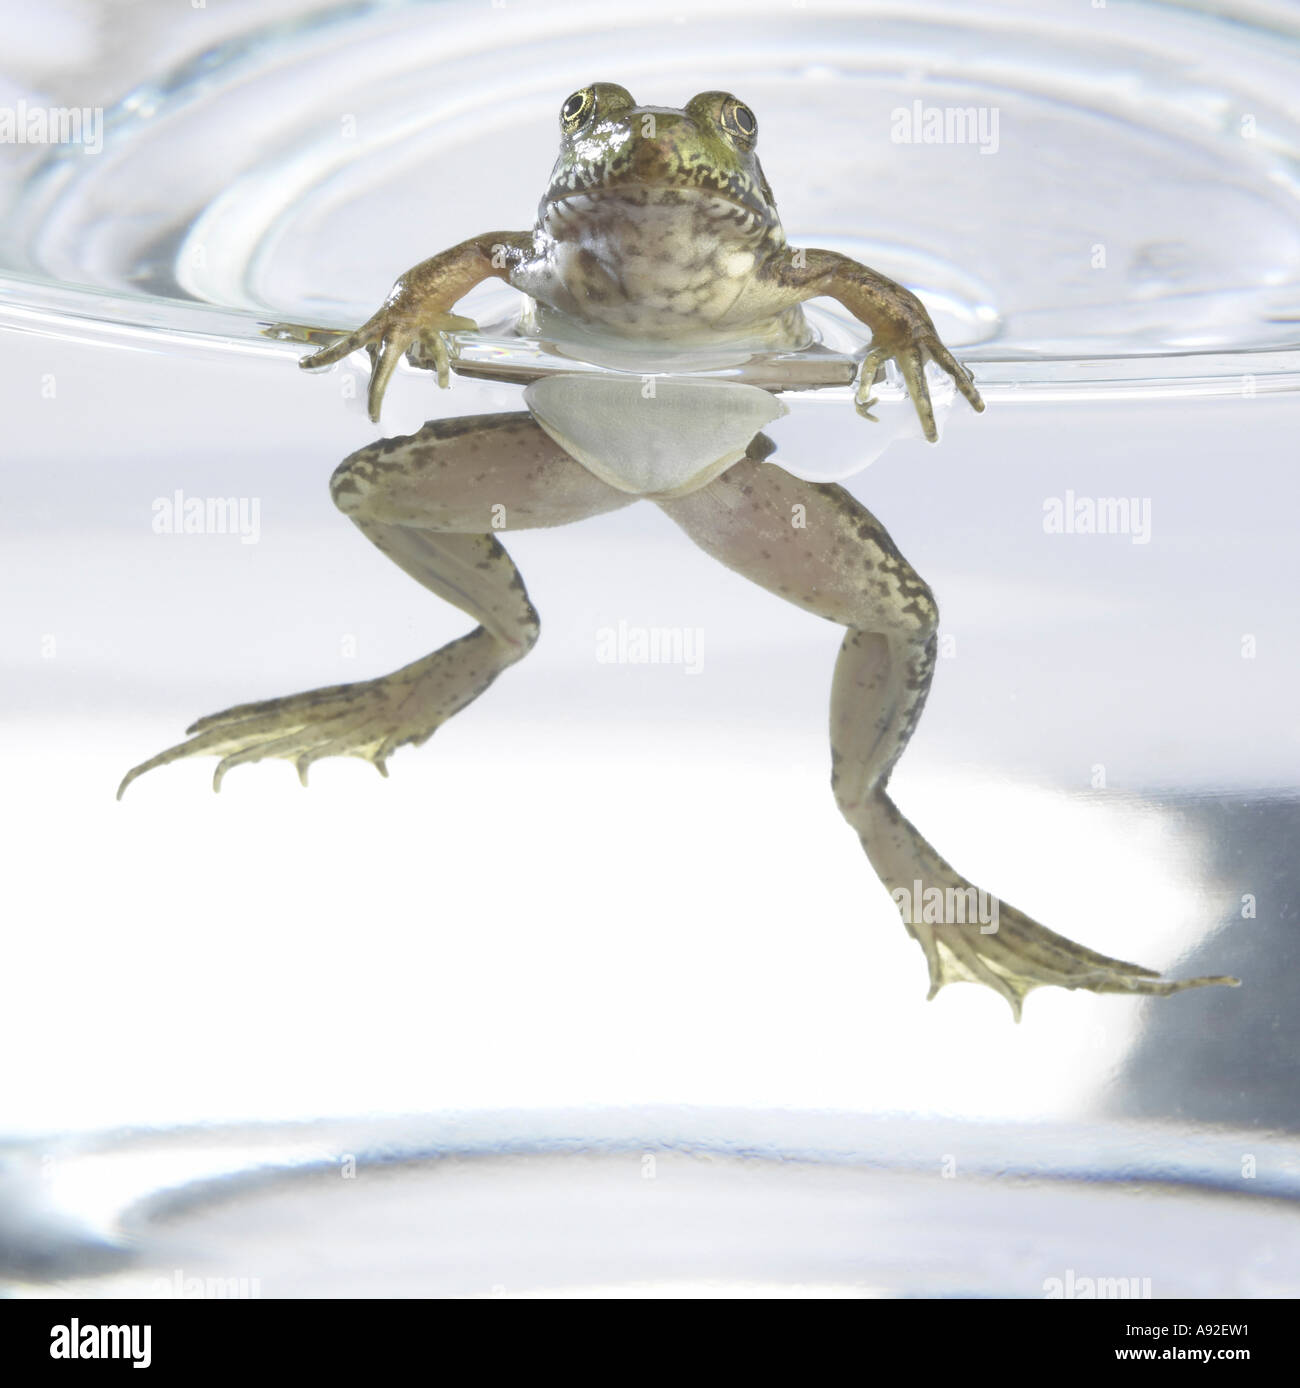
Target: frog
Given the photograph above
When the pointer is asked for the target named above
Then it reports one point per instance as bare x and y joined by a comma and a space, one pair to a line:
658, 230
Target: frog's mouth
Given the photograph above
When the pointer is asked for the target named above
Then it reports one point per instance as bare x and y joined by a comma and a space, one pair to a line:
701, 211
655, 195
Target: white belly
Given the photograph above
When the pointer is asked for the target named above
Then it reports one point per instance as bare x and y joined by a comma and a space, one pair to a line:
651, 436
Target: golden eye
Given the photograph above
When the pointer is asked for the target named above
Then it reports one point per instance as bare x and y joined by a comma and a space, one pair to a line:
575, 111
738, 120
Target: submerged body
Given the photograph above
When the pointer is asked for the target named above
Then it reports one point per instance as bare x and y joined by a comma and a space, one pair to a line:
658, 228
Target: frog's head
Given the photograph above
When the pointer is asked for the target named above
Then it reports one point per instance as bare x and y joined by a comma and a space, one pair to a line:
610, 145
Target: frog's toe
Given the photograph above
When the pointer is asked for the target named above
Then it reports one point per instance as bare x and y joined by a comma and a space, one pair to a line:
289, 747
366, 720
867, 372
912, 365
383, 362
336, 351
432, 350
1163, 987
965, 382
182, 749
954, 955
956, 960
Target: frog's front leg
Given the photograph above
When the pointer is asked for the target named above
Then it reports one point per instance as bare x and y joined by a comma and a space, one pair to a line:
841, 564
900, 326
430, 502
418, 308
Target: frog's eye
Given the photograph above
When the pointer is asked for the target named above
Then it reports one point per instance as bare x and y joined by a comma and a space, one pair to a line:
738, 120
575, 111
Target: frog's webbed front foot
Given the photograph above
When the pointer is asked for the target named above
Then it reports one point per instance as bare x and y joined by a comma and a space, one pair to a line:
900, 328
911, 358
841, 564
387, 336
418, 310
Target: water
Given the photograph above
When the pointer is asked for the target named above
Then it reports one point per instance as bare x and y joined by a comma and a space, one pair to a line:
1143, 164
612, 913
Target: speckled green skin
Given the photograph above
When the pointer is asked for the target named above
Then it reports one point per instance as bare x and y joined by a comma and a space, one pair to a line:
658, 226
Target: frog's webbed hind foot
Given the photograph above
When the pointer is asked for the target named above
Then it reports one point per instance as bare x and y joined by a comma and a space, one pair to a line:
1013, 954
967, 935
422, 500
372, 718
851, 572
369, 719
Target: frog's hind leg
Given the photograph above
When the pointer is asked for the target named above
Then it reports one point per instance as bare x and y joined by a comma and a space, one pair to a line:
430, 502
818, 547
